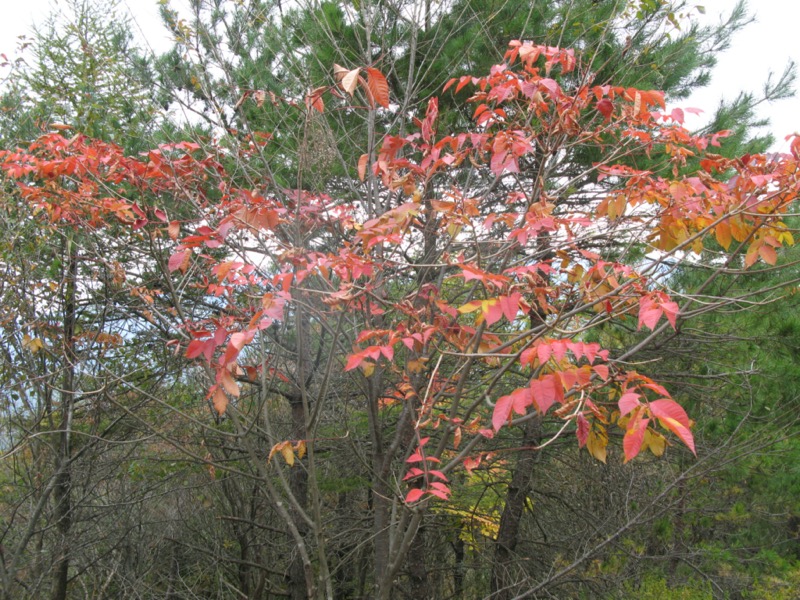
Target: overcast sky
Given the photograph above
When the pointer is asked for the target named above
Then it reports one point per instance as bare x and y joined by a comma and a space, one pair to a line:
764, 46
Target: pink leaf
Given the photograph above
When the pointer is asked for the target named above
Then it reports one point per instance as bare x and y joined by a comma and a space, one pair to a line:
583, 430
669, 409
543, 393
671, 310
196, 348
416, 457
414, 495
649, 313
438, 474
440, 494
632, 442
602, 371
628, 402
176, 260
544, 351
412, 473
353, 361
502, 410
510, 305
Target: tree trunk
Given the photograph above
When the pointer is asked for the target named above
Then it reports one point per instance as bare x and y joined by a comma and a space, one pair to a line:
63, 471
503, 577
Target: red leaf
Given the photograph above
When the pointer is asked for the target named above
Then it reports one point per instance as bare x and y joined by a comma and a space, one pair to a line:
768, 254
413, 472
236, 343
632, 442
438, 474
176, 260
240, 338
502, 410
492, 311
559, 348
666, 408
681, 431
416, 457
602, 371
649, 312
628, 402
583, 430
354, 360
671, 310
527, 357
414, 495
441, 487
314, 99
510, 305
605, 107
543, 393
196, 348
444, 495
518, 401
544, 351
672, 416
388, 352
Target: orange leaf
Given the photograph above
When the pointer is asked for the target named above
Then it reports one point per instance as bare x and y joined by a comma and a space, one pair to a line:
228, 382
314, 99
378, 87
288, 454
220, 400
362, 166
723, 231
768, 254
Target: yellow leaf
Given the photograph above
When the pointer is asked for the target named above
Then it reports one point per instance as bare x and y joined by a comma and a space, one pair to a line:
656, 442
597, 442
470, 306
367, 368
785, 237
300, 449
576, 274
288, 454
32, 344
415, 366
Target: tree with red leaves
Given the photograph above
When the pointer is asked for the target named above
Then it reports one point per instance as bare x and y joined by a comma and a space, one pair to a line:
451, 310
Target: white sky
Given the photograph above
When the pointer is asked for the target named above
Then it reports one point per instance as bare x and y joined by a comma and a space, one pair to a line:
764, 46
